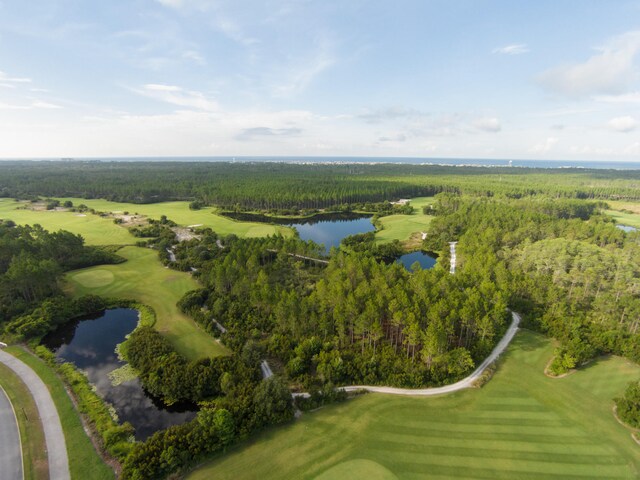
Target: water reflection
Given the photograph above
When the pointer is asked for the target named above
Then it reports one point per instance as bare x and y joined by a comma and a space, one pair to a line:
425, 260
90, 344
331, 232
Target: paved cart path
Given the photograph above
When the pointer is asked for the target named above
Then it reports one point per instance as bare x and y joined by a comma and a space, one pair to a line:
467, 382
53, 434
10, 450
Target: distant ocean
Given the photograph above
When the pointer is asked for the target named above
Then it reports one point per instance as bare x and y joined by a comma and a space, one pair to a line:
616, 165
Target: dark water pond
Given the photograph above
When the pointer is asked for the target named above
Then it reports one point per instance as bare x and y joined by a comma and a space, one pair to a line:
90, 344
324, 228
627, 228
425, 260
331, 232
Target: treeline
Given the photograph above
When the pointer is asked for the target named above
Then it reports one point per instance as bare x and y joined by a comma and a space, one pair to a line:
32, 260
358, 320
280, 187
563, 264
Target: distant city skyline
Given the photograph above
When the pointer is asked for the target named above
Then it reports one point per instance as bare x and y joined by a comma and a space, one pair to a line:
443, 79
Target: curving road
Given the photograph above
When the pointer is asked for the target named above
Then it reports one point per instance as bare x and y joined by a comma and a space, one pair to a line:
467, 382
53, 434
10, 449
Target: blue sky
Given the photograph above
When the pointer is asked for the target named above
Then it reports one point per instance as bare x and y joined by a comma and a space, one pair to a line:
460, 78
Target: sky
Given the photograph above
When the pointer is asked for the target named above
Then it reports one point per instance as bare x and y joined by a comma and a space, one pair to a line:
544, 79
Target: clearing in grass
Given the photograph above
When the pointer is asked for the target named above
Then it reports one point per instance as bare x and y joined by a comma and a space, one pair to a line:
84, 461
143, 278
521, 424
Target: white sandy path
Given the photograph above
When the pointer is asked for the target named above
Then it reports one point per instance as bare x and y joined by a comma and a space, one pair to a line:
467, 382
53, 434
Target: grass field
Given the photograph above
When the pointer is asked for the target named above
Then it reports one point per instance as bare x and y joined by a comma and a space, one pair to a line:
631, 215
180, 213
94, 229
402, 227
84, 462
31, 434
143, 278
521, 425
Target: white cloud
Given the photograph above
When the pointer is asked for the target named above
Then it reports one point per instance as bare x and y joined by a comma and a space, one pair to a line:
194, 56
233, 31
177, 96
172, 3
6, 106
545, 146
297, 76
488, 124
632, 97
515, 49
45, 105
610, 71
633, 149
4, 78
623, 124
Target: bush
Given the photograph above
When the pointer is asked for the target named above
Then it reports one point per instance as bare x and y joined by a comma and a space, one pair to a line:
628, 407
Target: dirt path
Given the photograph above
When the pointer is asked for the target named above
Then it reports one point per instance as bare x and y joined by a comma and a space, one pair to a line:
53, 434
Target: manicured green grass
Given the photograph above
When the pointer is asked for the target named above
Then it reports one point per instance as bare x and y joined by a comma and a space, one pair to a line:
31, 435
402, 227
84, 462
521, 424
624, 218
143, 278
94, 229
630, 216
180, 213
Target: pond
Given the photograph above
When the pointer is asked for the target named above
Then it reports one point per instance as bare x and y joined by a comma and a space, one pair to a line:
331, 232
425, 260
89, 343
324, 228
627, 228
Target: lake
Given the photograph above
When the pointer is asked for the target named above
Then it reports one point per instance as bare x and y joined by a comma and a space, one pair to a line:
627, 228
331, 232
89, 343
425, 260
324, 228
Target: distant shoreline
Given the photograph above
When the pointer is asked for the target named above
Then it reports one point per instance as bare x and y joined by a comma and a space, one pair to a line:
339, 160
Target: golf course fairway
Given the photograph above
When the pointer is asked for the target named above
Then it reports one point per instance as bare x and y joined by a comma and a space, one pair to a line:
143, 278
521, 424
94, 229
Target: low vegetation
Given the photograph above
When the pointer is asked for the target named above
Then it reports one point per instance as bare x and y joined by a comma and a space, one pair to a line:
115, 438
628, 406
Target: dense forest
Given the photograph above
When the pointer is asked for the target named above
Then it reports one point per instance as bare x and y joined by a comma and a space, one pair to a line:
356, 321
266, 185
565, 266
